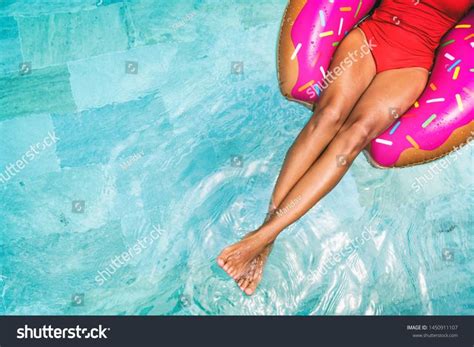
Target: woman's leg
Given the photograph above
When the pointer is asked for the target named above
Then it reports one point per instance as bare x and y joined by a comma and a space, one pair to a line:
337, 100
389, 89
339, 97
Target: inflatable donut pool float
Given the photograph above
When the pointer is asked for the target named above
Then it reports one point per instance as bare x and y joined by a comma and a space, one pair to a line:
440, 121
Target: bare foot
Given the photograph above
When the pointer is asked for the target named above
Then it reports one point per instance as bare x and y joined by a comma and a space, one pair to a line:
252, 273
251, 279
237, 258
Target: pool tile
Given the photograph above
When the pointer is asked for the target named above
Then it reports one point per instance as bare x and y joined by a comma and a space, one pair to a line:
146, 30
10, 51
41, 91
62, 37
30, 8
111, 133
58, 266
44, 205
103, 80
16, 138
192, 21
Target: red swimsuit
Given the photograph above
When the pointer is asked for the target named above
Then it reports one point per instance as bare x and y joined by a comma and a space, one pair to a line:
407, 32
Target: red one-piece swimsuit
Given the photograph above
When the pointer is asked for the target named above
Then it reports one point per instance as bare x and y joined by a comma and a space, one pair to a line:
407, 32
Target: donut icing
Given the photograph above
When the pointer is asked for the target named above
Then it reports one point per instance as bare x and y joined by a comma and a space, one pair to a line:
442, 118
440, 121
309, 35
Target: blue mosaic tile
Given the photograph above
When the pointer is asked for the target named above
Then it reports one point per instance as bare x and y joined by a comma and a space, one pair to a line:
101, 135
62, 37
41, 91
10, 51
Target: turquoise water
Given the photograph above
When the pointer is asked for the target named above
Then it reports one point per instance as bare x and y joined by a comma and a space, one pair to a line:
171, 131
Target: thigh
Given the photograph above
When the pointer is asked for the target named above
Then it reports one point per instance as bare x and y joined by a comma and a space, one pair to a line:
350, 73
388, 96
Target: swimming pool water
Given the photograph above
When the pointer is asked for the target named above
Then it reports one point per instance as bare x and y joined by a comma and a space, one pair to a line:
171, 133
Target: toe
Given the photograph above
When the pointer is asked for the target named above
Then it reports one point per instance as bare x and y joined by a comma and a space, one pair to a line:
254, 281
241, 283
245, 284
248, 289
248, 283
223, 258
252, 286
236, 273
220, 261
230, 270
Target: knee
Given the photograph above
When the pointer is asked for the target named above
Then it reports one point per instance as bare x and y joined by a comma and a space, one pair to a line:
359, 134
329, 117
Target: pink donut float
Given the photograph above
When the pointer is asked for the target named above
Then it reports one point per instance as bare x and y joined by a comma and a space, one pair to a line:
440, 121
